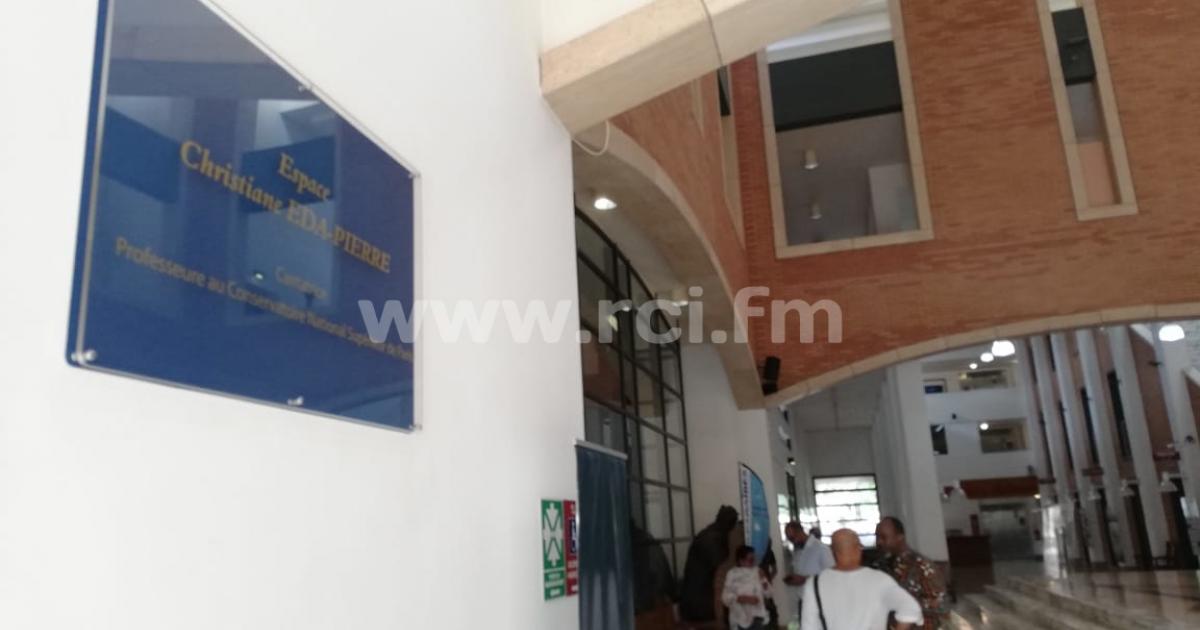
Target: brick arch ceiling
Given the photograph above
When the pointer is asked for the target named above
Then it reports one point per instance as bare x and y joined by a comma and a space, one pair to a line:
654, 204
1008, 255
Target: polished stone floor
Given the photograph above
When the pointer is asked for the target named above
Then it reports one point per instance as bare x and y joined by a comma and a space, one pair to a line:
1170, 595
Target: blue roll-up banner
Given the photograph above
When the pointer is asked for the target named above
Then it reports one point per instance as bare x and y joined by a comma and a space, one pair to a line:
605, 556
233, 224
756, 516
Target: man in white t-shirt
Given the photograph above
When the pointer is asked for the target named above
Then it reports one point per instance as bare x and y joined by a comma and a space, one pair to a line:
853, 597
810, 556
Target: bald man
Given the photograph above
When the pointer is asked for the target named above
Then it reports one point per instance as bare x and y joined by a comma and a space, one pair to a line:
849, 596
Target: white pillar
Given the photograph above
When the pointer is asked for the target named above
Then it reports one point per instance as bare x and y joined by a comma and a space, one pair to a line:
1057, 442
1173, 362
883, 456
1033, 421
1106, 444
1120, 346
926, 526
1077, 437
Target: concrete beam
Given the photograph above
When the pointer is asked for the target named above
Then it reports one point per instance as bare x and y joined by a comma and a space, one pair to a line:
663, 45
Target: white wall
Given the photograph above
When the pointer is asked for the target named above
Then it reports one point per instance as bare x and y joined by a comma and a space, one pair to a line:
133, 506
976, 405
564, 20
840, 452
720, 436
966, 459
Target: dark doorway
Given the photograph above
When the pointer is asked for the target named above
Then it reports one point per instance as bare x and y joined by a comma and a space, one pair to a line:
1145, 558
1185, 558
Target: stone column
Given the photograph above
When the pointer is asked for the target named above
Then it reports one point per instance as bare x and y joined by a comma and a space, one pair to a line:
1033, 419
1174, 360
926, 527
1106, 444
1056, 441
1077, 438
1120, 348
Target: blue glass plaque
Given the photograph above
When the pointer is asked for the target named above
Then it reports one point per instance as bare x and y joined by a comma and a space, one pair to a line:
231, 223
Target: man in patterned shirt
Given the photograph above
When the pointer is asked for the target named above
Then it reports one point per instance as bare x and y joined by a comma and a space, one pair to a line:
912, 571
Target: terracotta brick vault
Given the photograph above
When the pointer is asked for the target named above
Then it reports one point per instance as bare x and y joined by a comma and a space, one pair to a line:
1009, 256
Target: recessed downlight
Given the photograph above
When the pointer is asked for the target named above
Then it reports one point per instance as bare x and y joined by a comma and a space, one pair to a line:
604, 203
1171, 332
1004, 348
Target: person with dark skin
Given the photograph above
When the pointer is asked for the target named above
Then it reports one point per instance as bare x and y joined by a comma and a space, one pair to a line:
707, 552
916, 573
810, 556
797, 536
652, 580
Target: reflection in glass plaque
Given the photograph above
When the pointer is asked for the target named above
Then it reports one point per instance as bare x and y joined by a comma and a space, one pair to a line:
232, 223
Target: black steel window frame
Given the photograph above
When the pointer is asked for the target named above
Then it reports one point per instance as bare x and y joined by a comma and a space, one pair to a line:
620, 280
817, 493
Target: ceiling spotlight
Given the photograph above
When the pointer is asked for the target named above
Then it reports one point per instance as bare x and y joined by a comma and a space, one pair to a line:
987, 357
1004, 348
604, 203
816, 212
983, 426
677, 296
1171, 332
974, 365
810, 160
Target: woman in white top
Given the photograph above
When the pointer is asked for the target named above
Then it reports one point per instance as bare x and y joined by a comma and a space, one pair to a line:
743, 593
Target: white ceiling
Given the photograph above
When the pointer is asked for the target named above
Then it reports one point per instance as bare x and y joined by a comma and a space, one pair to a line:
869, 23
855, 403
961, 358
849, 404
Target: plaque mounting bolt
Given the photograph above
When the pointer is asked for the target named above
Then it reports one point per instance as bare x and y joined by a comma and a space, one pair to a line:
87, 356
298, 401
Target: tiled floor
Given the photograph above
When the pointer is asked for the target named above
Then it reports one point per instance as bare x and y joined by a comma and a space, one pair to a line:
1172, 595
976, 579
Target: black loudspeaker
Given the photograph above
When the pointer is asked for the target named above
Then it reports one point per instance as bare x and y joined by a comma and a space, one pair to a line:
770, 375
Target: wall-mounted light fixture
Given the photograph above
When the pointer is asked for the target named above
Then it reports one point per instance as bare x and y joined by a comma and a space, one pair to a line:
1166, 486
987, 357
810, 160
